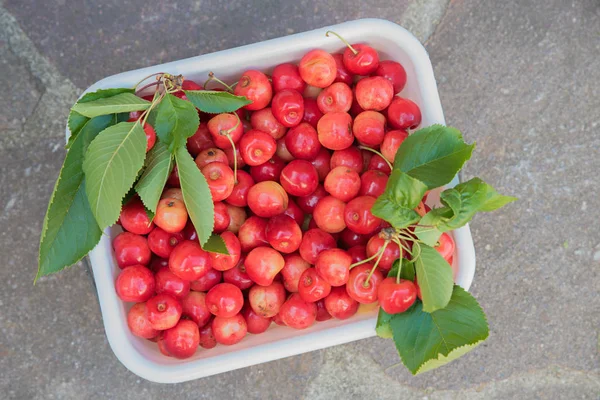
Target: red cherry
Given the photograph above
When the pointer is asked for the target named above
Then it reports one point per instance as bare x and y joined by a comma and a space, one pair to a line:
357, 286
350, 158
264, 120
369, 128
374, 93
395, 297
207, 281
277, 319
322, 163
224, 300
308, 203
267, 199
312, 114
391, 253
256, 324
223, 262
229, 331
137, 320
372, 183
222, 124
282, 150
343, 75
391, 143
207, 338
131, 249
335, 130
237, 216
221, 217
334, 266
200, 140
157, 263
172, 193
314, 242
342, 183
252, 233
287, 76
297, 313
283, 233
302, 142
356, 109
269, 171
220, 180
190, 85
171, 215
257, 147
262, 264
358, 216
266, 300
404, 113
361, 59
169, 283
329, 214
238, 156
378, 163
394, 72
209, 155
299, 178
294, 212
318, 68
288, 107
134, 218
150, 134
238, 276
182, 340
194, 307
350, 238
162, 243
322, 313
292, 270
255, 86
446, 247
164, 311
339, 304
135, 284
337, 97
312, 286
188, 261
358, 253
173, 179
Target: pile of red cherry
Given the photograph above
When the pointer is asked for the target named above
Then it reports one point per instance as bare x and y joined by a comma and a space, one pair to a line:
293, 208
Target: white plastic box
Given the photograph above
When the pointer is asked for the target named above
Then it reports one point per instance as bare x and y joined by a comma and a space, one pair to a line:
141, 356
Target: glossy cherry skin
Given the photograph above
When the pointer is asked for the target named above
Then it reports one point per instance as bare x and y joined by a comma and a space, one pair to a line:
292, 270
190, 85
334, 266
369, 128
264, 120
350, 158
364, 62
277, 319
298, 313
171, 215
287, 76
238, 276
255, 86
358, 253
372, 183
391, 143
174, 193
294, 212
308, 203
200, 140
312, 114
314, 242
322, 313
404, 113
374, 93
162, 243
169, 283
329, 214
357, 286
288, 107
229, 331
342, 75
391, 253
349, 238
221, 217
252, 233
299, 178
335, 130
220, 180
394, 72
137, 320
318, 68
164, 311
446, 247
358, 216
221, 124
283, 233
378, 163
223, 262
267, 300
267, 199
257, 147
395, 297
194, 307
302, 142
224, 300
337, 97
188, 261
269, 171
312, 286
322, 163
255, 323
339, 304
135, 284
207, 338
157, 263
262, 264
131, 249
134, 218
182, 340
150, 134
342, 183
207, 281
237, 217
282, 150
209, 155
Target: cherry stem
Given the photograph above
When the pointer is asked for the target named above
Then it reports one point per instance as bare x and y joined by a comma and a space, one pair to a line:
343, 40
147, 86
381, 250
378, 153
155, 101
366, 260
212, 77
402, 247
227, 133
149, 76
399, 269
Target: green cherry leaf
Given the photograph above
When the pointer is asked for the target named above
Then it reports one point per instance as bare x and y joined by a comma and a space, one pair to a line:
174, 120
111, 165
398, 216
396, 205
159, 164
382, 327
216, 244
435, 279
120, 103
214, 102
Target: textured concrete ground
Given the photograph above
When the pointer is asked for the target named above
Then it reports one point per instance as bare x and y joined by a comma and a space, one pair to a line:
519, 77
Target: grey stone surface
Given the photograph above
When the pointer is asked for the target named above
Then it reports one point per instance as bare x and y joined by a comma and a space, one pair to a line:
519, 77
